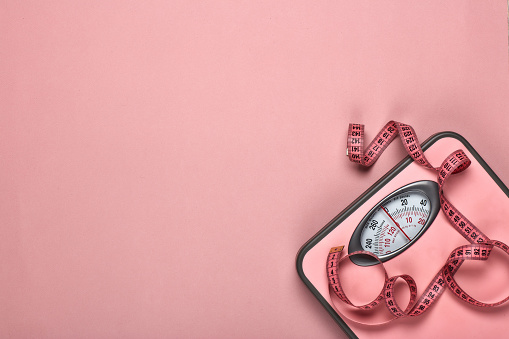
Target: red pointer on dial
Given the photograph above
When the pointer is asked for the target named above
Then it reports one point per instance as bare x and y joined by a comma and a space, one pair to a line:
394, 221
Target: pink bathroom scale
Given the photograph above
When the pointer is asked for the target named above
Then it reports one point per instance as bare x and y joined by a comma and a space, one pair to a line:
477, 192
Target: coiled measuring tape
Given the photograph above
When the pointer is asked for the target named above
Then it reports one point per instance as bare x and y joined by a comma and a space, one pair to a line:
479, 248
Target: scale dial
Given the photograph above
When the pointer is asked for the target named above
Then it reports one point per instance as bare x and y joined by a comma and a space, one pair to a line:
396, 222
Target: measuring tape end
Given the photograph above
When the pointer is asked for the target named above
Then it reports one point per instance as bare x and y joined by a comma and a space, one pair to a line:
336, 249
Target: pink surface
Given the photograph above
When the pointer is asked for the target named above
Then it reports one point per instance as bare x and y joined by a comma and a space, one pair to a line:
163, 162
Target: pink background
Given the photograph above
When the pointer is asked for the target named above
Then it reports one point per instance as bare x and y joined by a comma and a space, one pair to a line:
163, 161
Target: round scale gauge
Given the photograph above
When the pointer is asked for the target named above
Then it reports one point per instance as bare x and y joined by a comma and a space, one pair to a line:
396, 222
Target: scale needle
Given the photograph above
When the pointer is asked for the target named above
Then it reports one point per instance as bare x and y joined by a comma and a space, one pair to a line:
394, 221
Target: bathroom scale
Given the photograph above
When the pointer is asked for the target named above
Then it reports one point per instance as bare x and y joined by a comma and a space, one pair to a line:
477, 192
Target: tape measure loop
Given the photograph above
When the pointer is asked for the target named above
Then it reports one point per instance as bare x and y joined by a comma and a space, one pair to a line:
334, 260
471, 252
390, 299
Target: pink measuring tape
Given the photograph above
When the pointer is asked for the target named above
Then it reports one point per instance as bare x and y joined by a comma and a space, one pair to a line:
479, 248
